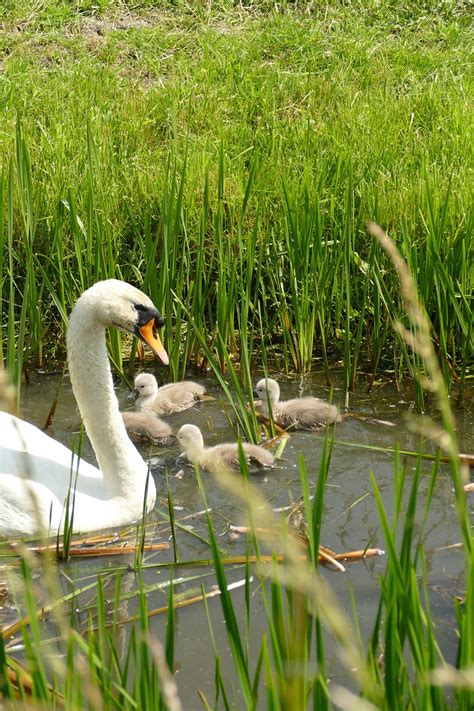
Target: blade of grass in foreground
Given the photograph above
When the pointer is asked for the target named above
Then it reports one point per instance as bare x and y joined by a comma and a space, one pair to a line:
465, 656
407, 618
420, 341
293, 575
219, 685
230, 617
5, 687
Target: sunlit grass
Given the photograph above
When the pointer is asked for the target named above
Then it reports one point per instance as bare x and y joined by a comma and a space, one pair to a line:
238, 176
225, 159
236, 289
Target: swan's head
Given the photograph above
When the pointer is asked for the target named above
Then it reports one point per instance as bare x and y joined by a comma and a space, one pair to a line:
145, 385
268, 389
116, 303
190, 437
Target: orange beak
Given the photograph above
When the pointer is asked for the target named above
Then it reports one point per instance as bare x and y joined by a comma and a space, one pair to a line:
149, 335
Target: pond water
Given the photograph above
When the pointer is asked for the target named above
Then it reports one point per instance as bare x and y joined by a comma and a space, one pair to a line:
350, 519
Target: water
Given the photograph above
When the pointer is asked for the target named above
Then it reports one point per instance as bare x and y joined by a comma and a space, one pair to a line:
350, 519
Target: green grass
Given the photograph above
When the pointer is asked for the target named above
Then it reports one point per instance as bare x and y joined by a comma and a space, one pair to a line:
230, 156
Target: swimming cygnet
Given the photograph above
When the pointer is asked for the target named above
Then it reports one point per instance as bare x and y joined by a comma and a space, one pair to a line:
174, 397
303, 413
146, 427
221, 456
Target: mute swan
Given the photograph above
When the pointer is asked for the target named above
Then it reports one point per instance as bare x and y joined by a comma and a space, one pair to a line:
146, 426
221, 456
174, 397
304, 413
35, 470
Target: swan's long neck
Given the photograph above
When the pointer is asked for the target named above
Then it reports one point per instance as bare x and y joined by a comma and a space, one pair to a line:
123, 469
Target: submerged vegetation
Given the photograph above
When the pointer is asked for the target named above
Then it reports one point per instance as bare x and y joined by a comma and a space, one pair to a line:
225, 157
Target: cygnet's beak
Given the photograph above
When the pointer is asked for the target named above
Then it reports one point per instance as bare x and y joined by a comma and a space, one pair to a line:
148, 333
133, 395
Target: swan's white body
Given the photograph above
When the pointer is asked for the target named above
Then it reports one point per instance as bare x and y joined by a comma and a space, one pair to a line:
35, 470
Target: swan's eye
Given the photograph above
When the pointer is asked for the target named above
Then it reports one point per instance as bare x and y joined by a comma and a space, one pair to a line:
147, 314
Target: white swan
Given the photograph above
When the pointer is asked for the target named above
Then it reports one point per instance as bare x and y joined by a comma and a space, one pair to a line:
35, 469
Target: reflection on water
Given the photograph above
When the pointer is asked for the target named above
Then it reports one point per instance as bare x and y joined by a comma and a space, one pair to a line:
350, 519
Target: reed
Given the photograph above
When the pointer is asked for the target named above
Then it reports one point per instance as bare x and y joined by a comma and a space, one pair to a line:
308, 283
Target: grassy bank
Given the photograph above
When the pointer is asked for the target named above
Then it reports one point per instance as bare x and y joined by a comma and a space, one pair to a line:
230, 156
226, 158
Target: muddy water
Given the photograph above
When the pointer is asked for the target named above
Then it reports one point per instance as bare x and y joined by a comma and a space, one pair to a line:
350, 519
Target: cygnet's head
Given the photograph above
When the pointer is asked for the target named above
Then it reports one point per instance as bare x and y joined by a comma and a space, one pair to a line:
116, 303
145, 385
268, 389
190, 436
